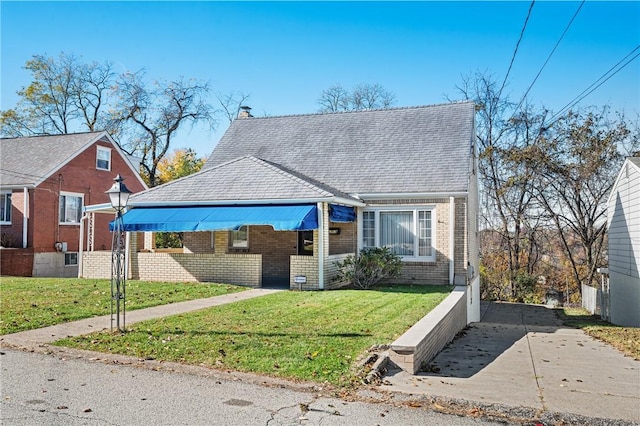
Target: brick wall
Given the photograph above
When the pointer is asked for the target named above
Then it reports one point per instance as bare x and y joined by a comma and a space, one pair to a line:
307, 266
96, 264
432, 333
344, 242
16, 262
13, 232
79, 176
276, 247
198, 242
240, 269
436, 272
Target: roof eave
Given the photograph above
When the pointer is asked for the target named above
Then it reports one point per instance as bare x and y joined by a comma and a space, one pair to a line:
409, 195
17, 186
338, 200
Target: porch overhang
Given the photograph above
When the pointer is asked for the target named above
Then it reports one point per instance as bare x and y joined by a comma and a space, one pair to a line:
300, 217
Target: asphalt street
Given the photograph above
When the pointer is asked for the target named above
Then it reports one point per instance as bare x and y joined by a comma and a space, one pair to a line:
59, 389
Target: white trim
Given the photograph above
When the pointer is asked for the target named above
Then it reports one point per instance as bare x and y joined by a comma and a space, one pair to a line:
10, 193
70, 194
127, 252
81, 244
620, 173
109, 161
71, 264
25, 217
360, 225
231, 202
452, 252
414, 209
99, 208
408, 195
16, 186
321, 231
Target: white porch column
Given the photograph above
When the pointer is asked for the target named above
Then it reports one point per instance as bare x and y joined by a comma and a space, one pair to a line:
25, 216
452, 234
321, 248
81, 245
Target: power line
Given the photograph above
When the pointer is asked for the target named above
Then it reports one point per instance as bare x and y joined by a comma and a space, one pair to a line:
515, 51
549, 57
596, 84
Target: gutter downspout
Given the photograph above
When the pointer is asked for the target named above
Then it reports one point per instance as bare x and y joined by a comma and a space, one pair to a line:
321, 246
25, 217
452, 226
81, 244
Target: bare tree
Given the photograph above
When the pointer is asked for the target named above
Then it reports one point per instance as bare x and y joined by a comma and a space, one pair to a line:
578, 159
153, 113
334, 99
91, 90
65, 96
363, 96
505, 138
231, 103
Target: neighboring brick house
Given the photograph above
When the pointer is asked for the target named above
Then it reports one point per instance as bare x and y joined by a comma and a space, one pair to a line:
281, 199
45, 181
623, 213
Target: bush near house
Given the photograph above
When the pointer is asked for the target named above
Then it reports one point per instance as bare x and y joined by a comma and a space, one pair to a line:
369, 267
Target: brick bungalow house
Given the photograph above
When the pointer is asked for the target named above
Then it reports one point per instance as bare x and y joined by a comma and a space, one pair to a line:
45, 181
281, 199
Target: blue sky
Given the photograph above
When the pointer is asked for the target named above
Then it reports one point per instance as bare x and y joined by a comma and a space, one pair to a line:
284, 54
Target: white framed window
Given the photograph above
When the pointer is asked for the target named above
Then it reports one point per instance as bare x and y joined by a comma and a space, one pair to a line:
239, 238
103, 158
70, 259
406, 231
5, 208
70, 208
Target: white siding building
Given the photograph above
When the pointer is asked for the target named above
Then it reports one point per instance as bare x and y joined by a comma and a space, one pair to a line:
624, 245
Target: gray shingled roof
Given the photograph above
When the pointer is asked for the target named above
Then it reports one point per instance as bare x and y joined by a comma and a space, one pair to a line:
242, 179
27, 161
419, 149
635, 160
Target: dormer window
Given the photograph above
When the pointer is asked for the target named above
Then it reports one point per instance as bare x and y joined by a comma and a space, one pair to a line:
103, 158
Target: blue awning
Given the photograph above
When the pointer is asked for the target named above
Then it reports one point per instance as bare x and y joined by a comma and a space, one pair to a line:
213, 218
338, 213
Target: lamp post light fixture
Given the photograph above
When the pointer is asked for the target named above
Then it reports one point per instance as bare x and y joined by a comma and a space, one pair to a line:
119, 197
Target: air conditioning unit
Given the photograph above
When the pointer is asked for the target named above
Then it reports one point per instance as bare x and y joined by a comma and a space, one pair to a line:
64, 247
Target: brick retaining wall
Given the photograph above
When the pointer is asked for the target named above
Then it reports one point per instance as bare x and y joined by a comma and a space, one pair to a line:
432, 333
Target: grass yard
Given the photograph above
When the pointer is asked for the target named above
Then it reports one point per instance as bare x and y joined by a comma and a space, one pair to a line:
29, 303
297, 335
625, 339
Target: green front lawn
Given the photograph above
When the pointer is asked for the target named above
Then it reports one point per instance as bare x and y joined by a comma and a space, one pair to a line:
28, 303
304, 335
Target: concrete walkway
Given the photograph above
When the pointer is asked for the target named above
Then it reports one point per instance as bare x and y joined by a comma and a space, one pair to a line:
32, 339
522, 356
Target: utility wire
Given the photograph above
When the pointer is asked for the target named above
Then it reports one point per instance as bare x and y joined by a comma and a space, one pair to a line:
548, 58
599, 82
515, 51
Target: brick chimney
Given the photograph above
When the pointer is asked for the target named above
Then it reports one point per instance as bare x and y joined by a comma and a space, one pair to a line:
245, 112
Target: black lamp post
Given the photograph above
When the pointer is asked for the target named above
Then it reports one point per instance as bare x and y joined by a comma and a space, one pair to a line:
119, 196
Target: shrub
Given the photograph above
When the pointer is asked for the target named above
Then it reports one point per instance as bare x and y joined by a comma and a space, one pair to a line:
369, 267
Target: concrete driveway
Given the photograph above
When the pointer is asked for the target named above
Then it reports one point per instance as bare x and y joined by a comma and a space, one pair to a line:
522, 356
